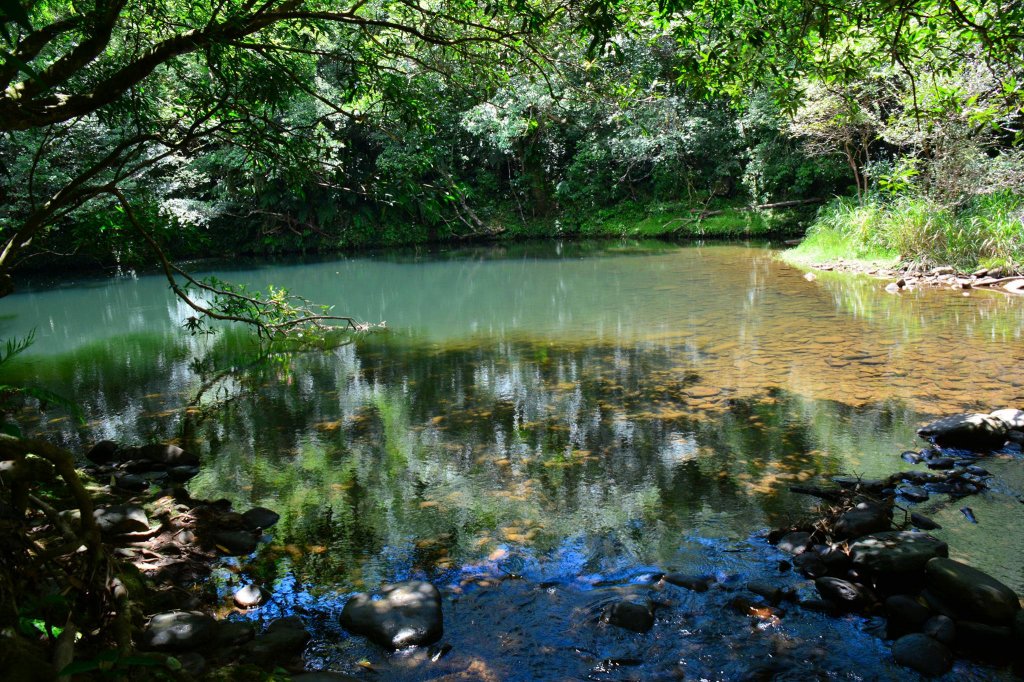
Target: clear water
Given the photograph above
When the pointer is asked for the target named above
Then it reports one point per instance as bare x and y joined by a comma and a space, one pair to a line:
542, 429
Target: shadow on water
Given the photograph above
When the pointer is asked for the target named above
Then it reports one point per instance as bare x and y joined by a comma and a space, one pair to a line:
552, 435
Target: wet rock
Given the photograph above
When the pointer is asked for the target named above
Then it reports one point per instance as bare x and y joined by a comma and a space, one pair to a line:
690, 582
913, 493
911, 457
842, 592
249, 596
235, 542
638, 617
941, 463
972, 594
971, 431
1013, 418
923, 654
229, 633
858, 522
260, 517
769, 592
820, 606
104, 452
941, 629
810, 564
121, 518
896, 551
178, 631
923, 522
795, 543
408, 613
166, 454
284, 640
905, 614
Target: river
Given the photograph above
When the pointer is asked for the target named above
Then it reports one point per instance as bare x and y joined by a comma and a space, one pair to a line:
541, 429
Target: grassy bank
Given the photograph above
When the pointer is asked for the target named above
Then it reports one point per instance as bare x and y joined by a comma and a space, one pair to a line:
985, 232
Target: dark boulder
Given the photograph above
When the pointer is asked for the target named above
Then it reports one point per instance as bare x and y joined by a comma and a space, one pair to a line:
178, 631
235, 542
905, 615
795, 543
118, 519
896, 552
166, 454
972, 594
408, 613
284, 640
847, 595
941, 629
862, 521
104, 452
629, 615
260, 517
923, 654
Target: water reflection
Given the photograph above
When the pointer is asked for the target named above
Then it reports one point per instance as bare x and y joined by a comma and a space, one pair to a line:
576, 417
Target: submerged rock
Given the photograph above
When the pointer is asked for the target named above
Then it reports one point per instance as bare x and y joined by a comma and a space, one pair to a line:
913, 493
795, 542
923, 522
178, 631
638, 617
971, 431
691, 582
972, 594
923, 654
896, 551
235, 542
408, 613
285, 639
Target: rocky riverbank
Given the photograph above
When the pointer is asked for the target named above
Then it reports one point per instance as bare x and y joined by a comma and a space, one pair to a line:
911, 276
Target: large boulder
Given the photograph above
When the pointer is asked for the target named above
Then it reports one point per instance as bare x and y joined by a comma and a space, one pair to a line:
972, 594
923, 654
862, 521
1013, 418
969, 431
407, 613
178, 631
285, 639
118, 519
896, 552
167, 454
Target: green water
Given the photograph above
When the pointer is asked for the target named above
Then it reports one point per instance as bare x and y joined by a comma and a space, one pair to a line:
570, 413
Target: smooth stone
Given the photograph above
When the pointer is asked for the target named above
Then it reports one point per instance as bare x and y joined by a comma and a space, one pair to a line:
897, 551
260, 517
810, 564
794, 543
911, 457
905, 615
923, 654
638, 617
858, 522
923, 522
167, 454
132, 483
249, 596
983, 638
941, 463
941, 629
972, 594
1013, 418
178, 631
104, 452
690, 582
235, 542
970, 431
842, 592
118, 519
913, 493
284, 640
408, 613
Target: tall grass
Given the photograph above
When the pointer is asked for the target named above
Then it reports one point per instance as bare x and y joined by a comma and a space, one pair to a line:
988, 230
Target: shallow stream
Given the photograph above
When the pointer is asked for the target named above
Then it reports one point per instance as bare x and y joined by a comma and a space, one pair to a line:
543, 429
